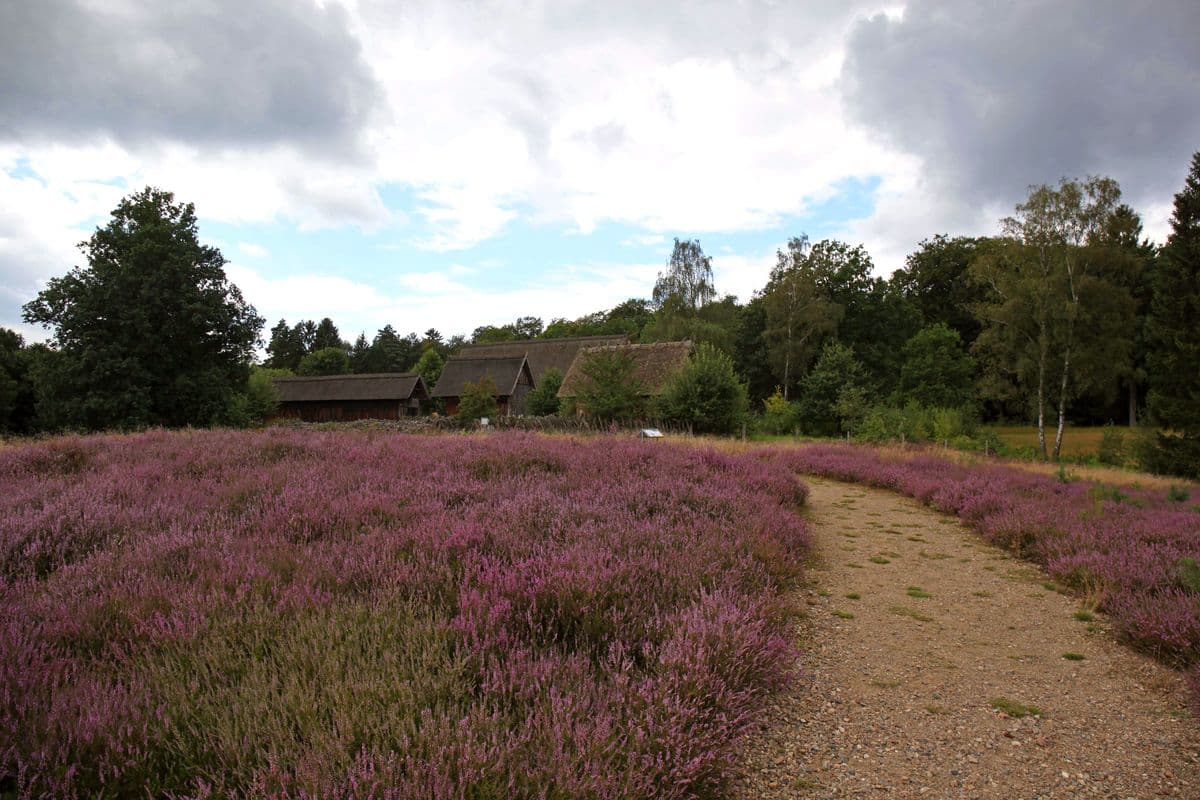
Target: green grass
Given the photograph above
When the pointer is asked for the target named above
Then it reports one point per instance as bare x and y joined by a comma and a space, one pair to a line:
1084, 616
879, 560
982, 594
842, 614
912, 613
917, 591
1073, 656
1015, 709
853, 596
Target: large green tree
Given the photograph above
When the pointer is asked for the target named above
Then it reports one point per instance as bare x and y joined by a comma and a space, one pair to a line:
937, 371
150, 332
327, 335
1050, 308
17, 406
1173, 329
836, 375
799, 313
936, 280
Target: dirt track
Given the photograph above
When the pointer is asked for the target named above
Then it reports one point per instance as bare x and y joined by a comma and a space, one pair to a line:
898, 700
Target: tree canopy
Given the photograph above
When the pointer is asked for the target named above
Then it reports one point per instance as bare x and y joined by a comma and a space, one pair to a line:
150, 331
1174, 332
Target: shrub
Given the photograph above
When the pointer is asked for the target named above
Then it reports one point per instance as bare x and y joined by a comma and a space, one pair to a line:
608, 391
478, 400
705, 394
258, 401
779, 415
543, 400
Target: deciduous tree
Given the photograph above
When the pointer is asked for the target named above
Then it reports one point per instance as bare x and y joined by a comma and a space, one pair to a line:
799, 314
1046, 298
150, 331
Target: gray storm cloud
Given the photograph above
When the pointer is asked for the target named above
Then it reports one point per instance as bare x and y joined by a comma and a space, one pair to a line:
205, 72
997, 96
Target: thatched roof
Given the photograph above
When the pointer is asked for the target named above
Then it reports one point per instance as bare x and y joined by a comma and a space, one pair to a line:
461, 370
332, 388
543, 354
653, 365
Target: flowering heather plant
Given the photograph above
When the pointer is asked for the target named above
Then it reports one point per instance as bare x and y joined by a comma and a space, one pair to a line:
1130, 551
354, 614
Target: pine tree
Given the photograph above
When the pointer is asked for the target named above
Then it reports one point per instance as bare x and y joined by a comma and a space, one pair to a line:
1174, 400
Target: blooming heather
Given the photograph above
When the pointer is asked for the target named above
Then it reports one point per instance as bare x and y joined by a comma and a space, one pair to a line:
1125, 549
340, 614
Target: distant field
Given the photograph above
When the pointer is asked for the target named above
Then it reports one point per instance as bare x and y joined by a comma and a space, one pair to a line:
1076, 441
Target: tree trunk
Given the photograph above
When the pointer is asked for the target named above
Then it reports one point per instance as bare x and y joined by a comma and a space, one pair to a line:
1062, 404
1041, 392
1132, 404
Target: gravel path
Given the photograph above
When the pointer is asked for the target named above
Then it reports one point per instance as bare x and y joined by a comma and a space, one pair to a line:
915, 627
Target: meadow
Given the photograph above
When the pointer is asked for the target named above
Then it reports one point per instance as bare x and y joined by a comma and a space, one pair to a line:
333, 614
1130, 552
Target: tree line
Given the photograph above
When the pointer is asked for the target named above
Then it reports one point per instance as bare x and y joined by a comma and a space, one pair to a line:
1069, 315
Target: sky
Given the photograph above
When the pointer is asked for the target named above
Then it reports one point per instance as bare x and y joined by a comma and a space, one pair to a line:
455, 164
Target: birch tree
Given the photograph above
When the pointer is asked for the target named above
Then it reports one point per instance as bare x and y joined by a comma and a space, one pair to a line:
799, 314
1046, 300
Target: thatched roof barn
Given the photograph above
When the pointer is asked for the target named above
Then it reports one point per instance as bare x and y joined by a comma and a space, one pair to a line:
512, 377
543, 354
328, 398
653, 365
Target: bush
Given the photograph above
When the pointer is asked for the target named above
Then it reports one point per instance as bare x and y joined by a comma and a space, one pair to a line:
779, 415
478, 400
1112, 446
543, 400
705, 394
258, 401
609, 391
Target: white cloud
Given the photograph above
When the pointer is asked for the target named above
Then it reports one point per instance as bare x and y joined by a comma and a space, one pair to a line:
253, 250
431, 300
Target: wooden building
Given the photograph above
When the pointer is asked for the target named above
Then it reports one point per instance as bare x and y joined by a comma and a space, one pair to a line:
543, 354
333, 398
653, 365
511, 375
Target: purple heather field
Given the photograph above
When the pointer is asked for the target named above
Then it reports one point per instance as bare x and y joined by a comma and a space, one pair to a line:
348, 614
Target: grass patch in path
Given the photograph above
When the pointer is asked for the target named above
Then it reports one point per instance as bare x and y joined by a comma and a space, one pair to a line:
917, 591
912, 613
1014, 709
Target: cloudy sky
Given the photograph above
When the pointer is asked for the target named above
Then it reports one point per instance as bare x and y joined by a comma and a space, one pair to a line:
444, 164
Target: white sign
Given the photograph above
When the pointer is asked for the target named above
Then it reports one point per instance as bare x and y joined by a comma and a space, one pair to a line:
651, 433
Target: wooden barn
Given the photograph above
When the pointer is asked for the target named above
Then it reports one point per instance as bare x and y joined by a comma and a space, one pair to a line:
511, 375
335, 398
653, 365
543, 354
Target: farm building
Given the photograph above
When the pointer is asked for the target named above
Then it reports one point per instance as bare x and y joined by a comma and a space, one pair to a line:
653, 365
330, 398
543, 354
512, 377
